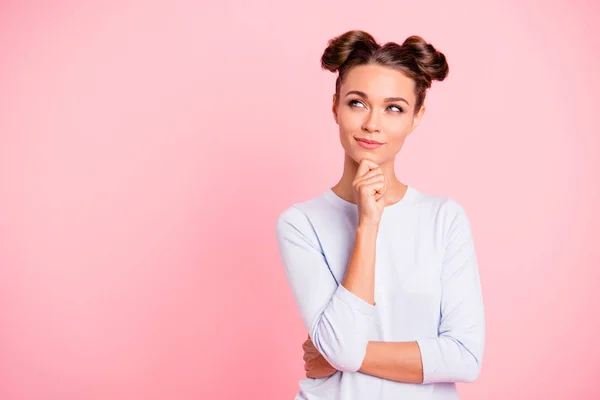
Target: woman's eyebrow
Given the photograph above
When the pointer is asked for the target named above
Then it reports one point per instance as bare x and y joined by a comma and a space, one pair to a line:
386, 100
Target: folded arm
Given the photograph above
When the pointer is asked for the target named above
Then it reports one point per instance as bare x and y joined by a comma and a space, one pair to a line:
337, 316
455, 355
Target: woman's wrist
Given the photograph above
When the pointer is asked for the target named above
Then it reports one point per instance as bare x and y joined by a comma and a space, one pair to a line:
367, 228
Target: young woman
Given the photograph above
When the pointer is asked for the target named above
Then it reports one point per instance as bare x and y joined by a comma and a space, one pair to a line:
384, 275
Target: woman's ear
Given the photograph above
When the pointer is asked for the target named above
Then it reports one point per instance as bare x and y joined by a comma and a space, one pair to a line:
417, 118
334, 109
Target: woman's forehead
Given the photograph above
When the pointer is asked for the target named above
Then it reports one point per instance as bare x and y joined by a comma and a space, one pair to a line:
378, 81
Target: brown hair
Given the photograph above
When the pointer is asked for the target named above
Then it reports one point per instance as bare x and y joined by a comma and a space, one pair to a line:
416, 58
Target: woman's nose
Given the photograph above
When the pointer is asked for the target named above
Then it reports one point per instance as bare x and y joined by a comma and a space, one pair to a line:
372, 123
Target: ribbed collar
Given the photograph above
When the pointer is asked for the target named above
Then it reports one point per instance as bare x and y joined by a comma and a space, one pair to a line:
406, 200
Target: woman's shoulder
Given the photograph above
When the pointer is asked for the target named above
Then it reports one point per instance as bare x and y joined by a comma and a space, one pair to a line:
444, 214
300, 213
440, 204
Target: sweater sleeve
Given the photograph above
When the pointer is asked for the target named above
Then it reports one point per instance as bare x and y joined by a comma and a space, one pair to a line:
337, 320
456, 354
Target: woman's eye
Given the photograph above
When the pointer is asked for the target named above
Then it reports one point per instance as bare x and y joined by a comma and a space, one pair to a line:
356, 103
353, 103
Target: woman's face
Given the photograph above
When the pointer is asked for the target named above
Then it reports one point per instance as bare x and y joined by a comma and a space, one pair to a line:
376, 104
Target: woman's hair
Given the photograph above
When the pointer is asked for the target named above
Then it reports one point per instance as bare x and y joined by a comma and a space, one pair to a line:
416, 58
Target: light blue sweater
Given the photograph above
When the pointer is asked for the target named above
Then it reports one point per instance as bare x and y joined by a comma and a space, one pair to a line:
427, 289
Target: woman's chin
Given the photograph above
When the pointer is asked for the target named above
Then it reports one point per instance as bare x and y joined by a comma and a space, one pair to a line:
359, 154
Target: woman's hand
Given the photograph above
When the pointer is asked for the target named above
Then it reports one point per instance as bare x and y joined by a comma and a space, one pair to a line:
315, 364
369, 187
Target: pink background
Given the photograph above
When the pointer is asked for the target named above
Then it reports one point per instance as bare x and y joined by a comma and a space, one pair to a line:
146, 149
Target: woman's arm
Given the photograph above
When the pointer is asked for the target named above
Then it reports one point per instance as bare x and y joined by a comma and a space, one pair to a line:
338, 317
455, 355
360, 273
400, 361
396, 361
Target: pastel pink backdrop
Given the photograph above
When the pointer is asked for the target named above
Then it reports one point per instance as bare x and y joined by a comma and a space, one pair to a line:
146, 149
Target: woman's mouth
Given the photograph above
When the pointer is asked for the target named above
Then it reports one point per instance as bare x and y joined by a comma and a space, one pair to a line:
368, 144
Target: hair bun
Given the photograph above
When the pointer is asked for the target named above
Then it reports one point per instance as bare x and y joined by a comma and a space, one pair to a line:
339, 48
430, 61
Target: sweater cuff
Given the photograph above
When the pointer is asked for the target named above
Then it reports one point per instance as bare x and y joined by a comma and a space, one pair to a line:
354, 301
430, 358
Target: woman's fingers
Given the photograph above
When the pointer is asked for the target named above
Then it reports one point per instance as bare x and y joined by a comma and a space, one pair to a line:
318, 368
370, 174
365, 166
372, 185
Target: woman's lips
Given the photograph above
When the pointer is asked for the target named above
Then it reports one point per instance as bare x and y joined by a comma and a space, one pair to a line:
368, 144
